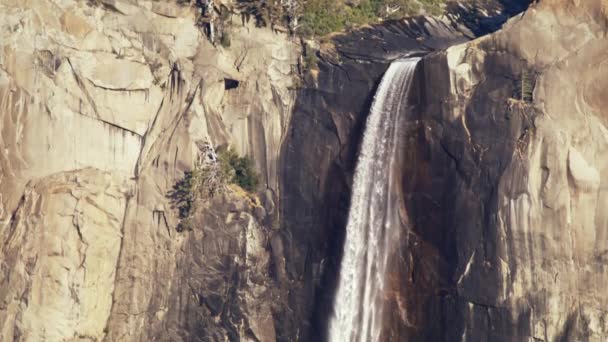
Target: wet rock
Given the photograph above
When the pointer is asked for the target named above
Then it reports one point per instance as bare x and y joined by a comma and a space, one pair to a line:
320, 150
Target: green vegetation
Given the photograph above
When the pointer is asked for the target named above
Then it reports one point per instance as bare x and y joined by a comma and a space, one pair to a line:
321, 17
204, 182
238, 170
185, 196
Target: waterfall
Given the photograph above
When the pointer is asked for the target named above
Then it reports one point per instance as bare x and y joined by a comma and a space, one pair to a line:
373, 225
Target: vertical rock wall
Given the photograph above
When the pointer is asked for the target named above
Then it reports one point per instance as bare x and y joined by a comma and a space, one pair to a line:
503, 192
103, 106
504, 196
320, 149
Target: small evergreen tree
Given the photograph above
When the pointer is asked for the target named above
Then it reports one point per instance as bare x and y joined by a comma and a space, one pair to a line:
184, 196
239, 170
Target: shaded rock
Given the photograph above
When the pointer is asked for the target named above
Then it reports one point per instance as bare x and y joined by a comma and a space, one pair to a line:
319, 156
502, 194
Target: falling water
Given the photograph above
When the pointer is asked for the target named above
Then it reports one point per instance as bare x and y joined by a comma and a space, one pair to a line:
372, 221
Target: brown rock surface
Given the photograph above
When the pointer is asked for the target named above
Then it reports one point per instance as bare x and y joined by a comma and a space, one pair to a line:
505, 197
103, 105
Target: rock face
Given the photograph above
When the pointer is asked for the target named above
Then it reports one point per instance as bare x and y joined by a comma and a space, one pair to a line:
503, 191
505, 196
502, 172
320, 149
103, 105
60, 252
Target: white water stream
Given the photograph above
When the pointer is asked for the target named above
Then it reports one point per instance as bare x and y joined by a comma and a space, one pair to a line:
372, 221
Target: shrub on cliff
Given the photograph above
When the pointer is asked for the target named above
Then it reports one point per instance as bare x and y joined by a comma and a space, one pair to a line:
203, 182
321, 17
238, 170
185, 195
208, 179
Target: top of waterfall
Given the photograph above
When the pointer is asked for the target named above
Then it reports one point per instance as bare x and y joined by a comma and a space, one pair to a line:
373, 228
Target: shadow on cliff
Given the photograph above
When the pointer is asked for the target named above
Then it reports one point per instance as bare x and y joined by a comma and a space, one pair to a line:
450, 182
318, 161
476, 18
318, 158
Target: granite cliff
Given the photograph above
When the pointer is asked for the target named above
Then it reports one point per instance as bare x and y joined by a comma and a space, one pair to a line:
504, 173
501, 180
105, 104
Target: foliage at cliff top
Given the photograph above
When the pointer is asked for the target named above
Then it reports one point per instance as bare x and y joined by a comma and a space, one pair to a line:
321, 17
208, 180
